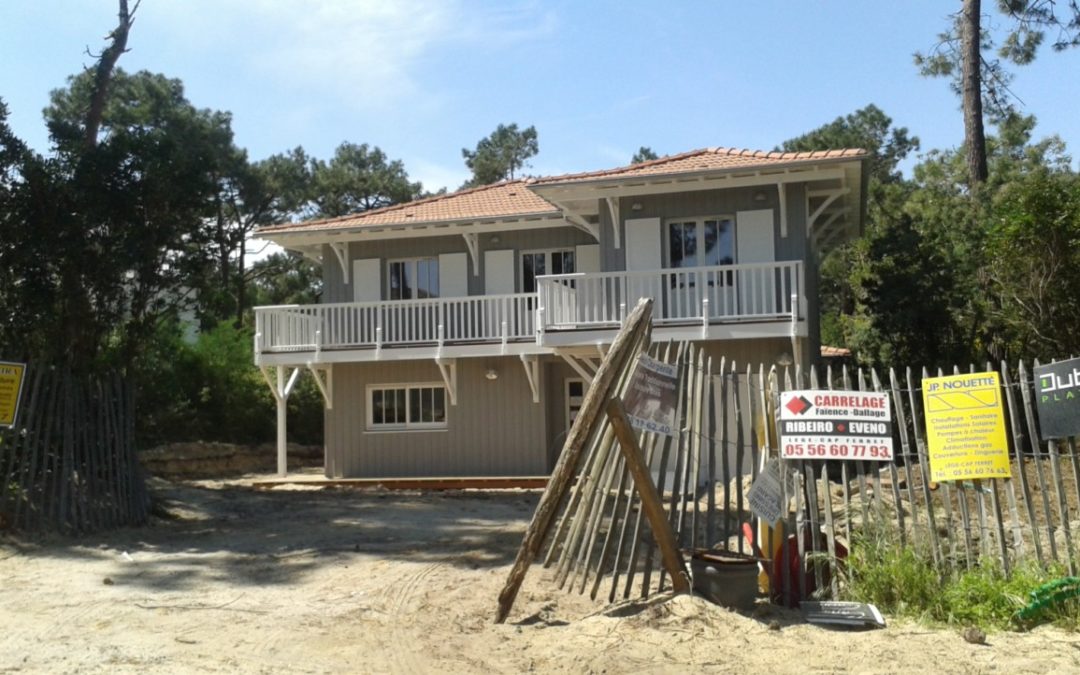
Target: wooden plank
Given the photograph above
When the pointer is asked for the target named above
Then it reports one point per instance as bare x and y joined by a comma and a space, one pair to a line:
720, 418
1016, 423
924, 470
1036, 451
636, 538
621, 352
905, 448
673, 561
894, 475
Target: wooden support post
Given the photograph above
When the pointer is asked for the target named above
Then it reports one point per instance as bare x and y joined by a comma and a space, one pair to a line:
282, 464
650, 498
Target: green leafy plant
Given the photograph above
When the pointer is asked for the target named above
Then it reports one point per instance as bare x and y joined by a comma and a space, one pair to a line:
906, 582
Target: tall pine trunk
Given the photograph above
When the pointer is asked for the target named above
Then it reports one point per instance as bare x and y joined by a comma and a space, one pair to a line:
974, 136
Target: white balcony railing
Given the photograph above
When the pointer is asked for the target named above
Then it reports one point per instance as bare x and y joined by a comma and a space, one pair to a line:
704, 295
489, 318
691, 295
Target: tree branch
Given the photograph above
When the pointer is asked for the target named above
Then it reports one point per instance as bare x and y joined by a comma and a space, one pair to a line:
104, 70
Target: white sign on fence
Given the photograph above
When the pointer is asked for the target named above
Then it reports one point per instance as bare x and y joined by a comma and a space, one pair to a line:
652, 395
766, 494
836, 425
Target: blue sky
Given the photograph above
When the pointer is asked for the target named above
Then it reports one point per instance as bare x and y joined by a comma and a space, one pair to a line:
424, 78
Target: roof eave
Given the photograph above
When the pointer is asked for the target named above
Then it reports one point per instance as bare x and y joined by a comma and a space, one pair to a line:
335, 232
690, 176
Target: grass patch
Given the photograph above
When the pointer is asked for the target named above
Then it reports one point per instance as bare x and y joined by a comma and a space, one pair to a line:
907, 583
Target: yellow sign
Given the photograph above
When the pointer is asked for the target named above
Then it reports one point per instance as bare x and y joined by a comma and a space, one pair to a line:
11, 381
965, 427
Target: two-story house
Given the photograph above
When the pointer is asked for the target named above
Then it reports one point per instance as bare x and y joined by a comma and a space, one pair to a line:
458, 334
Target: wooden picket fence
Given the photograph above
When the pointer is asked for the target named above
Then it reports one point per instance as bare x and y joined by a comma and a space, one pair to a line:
68, 464
960, 524
728, 429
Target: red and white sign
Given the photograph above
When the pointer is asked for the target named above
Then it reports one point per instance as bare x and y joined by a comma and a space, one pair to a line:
852, 425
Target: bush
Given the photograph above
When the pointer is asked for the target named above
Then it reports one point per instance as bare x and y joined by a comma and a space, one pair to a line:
210, 390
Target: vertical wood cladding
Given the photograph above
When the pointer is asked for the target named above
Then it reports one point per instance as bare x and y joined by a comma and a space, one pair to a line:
494, 430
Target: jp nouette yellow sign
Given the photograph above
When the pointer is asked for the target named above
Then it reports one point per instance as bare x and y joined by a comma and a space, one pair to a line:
11, 381
965, 427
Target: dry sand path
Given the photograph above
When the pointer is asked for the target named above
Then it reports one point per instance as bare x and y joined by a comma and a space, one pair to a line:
370, 582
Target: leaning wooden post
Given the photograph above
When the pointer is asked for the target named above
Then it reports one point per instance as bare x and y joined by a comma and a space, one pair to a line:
650, 498
582, 430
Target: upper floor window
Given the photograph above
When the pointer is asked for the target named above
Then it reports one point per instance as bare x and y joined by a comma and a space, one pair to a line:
538, 263
701, 242
413, 278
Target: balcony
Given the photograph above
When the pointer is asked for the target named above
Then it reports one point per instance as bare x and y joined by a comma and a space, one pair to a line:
695, 303
698, 295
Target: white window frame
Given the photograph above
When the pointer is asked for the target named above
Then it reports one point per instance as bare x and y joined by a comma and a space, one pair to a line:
547, 253
566, 397
413, 262
407, 426
699, 221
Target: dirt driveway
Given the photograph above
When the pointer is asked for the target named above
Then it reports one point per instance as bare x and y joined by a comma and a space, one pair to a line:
362, 581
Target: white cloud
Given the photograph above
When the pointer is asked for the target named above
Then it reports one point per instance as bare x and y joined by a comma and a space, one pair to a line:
366, 54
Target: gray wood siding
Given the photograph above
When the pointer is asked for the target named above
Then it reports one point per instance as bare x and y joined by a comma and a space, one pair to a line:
335, 290
494, 430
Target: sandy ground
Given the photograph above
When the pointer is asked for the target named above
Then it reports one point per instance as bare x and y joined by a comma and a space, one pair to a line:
359, 581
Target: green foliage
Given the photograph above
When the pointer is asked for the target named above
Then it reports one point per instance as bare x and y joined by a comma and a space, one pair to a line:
644, 154
210, 391
286, 278
868, 128
905, 582
1034, 249
498, 156
359, 178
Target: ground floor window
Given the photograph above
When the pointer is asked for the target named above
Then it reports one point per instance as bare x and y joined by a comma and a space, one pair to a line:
406, 407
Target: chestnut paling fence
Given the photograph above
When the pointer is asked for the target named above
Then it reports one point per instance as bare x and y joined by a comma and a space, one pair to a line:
68, 463
728, 430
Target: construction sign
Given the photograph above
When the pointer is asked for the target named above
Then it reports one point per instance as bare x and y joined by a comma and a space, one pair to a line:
652, 395
1057, 386
965, 427
11, 385
835, 425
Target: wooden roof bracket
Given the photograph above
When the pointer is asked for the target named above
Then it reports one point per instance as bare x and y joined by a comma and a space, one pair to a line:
593, 229
532, 374
830, 197
325, 382
341, 252
448, 370
782, 195
577, 365
472, 242
616, 224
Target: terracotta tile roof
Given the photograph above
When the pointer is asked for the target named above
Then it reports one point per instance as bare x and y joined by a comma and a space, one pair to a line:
506, 199
827, 351
514, 198
708, 159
